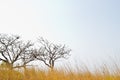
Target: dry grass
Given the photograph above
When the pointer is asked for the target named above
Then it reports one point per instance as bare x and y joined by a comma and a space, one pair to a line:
103, 73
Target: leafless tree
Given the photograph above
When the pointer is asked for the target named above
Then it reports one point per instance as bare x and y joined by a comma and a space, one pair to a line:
28, 56
49, 52
12, 50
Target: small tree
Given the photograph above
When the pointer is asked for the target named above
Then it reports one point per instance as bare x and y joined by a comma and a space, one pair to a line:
49, 52
27, 57
12, 49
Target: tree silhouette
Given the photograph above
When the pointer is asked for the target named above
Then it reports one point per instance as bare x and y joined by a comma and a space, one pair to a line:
12, 49
49, 52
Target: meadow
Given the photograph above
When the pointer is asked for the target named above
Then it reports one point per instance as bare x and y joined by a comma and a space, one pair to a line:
66, 73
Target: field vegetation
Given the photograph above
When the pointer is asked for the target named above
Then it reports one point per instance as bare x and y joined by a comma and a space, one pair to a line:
66, 73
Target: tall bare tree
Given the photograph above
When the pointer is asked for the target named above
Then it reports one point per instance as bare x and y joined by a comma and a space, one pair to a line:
49, 52
12, 49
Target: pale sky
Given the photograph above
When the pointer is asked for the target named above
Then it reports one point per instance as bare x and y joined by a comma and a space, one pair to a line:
91, 28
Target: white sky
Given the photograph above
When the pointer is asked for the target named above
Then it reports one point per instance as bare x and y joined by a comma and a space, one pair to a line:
90, 28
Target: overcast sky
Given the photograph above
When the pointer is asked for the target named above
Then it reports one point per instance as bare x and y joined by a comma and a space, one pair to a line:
91, 28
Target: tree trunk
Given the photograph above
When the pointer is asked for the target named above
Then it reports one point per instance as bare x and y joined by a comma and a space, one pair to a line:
51, 65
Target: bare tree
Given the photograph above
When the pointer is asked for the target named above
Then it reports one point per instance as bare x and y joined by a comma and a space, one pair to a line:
27, 57
12, 49
49, 52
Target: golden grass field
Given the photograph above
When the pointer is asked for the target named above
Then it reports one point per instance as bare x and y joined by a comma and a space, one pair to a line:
103, 73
